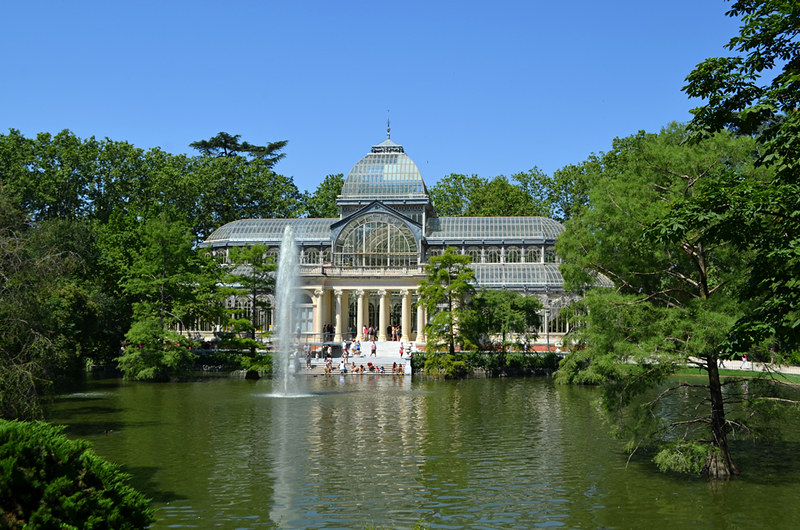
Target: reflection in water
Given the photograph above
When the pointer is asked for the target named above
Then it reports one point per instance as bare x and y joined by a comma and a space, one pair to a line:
392, 451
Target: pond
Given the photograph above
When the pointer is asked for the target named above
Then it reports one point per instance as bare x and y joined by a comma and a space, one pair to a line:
390, 452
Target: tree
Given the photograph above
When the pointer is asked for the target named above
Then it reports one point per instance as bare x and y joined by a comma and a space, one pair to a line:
162, 282
502, 313
757, 92
448, 286
228, 145
252, 275
538, 186
675, 296
499, 197
227, 189
569, 189
322, 203
53, 312
453, 194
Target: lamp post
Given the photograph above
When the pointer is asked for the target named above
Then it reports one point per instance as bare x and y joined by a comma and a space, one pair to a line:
547, 327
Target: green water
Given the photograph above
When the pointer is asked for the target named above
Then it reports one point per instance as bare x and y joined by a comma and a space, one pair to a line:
365, 451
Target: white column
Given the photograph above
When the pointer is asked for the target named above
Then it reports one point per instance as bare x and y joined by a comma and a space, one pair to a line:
383, 319
319, 313
346, 314
337, 337
359, 312
405, 315
421, 321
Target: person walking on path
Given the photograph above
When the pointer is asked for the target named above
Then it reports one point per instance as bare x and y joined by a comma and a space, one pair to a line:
373, 349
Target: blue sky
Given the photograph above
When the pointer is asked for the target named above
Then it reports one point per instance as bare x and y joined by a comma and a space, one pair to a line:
488, 88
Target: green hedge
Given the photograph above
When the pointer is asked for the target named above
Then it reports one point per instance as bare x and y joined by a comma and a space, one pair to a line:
494, 364
50, 481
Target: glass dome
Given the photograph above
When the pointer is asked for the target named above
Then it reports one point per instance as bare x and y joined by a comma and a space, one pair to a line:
385, 173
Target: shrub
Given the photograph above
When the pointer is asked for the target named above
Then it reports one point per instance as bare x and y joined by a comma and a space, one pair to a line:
49, 481
153, 354
451, 366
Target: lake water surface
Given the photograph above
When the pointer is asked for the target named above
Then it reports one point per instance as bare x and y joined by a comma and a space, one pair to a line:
388, 452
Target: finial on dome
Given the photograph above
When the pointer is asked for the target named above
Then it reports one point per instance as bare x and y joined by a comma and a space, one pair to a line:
388, 127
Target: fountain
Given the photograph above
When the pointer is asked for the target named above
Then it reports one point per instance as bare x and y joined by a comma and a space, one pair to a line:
285, 297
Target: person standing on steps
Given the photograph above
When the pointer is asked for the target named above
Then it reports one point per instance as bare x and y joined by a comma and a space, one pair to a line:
373, 349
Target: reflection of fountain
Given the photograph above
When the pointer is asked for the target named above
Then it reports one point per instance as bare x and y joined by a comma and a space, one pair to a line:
285, 296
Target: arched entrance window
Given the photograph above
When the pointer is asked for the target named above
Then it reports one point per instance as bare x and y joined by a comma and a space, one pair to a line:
376, 240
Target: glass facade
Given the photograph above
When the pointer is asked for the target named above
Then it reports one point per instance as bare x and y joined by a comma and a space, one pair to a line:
376, 240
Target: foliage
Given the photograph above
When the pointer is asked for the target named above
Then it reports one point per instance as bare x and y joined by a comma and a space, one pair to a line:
526, 193
103, 234
228, 145
449, 365
501, 314
560, 196
51, 314
499, 197
154, 354
49, 481
688, 458
322, 203
448, 286
756, 91
226, 189
675, 296
453, 194
168, 281
163, 276
465, 363
251, 274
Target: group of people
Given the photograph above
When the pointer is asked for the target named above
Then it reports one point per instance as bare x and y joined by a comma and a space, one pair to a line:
343, 368
370, 333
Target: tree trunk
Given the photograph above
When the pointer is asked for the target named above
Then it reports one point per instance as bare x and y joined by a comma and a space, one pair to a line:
719, 463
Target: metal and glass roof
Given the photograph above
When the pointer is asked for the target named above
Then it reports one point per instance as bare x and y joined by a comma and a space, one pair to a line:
522, 276
517, 275
269, 231
464, 229
385, 173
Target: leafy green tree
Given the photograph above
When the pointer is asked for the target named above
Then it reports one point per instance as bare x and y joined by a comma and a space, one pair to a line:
756, 91
538, 187
153, 353
252, 275
322, 203
162, 282
499, 197
228, 145
49, 481
231, 188
445, 292
52, 312
569, 189
675, 297
453, 194
503, 314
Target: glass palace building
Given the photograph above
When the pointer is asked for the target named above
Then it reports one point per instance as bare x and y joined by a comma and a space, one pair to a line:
363, 267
